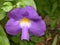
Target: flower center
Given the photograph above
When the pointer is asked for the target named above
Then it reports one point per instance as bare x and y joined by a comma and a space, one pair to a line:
25, 22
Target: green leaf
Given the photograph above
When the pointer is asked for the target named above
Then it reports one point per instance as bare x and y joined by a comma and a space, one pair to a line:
3, 37
53, 24
7, 6
16, 38
8, 0
48, 34
26, 3
55, 40
43, 6
36, 39
4, 21
24, 42
2, 15
29, 2
31, 43
54, 7
1, 3
20, 4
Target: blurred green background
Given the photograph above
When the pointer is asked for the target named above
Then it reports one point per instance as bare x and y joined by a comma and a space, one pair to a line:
48, 9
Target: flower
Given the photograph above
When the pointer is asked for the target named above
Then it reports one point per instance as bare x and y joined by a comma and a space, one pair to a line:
26, 20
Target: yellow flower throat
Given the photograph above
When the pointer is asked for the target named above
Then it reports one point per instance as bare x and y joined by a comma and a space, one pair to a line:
25, 20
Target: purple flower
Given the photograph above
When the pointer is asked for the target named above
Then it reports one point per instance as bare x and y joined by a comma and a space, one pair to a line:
26, 20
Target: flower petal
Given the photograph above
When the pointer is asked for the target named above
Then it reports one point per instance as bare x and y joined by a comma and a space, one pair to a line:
38, 28
28, 12
32, 13
16, 13
12, 27
25, 34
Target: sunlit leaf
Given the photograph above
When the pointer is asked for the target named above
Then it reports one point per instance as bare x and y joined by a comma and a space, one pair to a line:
27, 3
7, 6
55, 40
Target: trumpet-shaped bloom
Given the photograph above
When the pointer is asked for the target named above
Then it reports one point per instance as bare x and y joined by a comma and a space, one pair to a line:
26, 20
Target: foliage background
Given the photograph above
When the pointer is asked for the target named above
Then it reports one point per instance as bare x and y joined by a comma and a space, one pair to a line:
50, 12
